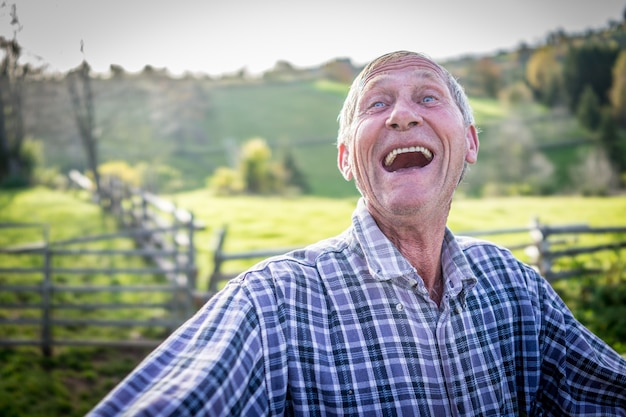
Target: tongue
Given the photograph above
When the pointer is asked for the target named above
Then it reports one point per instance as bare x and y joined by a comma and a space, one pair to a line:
408, 160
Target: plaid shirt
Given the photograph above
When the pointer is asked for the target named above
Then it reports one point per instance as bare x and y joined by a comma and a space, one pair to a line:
345, 327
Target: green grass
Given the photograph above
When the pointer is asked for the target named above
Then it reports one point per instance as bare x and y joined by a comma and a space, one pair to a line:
270, 222
65, 216
65, 213
276, 112
487, 110
69, 383
73, 380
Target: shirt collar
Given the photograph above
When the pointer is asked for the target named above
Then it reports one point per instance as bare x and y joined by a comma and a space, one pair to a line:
385, 261
456, 268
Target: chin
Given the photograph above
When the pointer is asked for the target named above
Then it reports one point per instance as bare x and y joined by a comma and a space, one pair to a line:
404, 207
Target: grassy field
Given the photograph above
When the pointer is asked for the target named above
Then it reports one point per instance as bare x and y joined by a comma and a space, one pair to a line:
275, 222
74, 379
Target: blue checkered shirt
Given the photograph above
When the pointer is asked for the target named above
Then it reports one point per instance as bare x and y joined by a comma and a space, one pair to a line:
345, 327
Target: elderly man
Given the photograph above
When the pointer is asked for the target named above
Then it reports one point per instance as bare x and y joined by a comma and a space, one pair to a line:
395, 316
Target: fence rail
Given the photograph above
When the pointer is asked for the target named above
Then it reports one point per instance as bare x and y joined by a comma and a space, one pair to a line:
44, 296
155, 281
537, 242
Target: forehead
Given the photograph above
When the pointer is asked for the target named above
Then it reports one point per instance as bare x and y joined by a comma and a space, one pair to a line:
419, 66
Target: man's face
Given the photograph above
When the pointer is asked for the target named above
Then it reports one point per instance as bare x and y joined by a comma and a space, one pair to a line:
410, 142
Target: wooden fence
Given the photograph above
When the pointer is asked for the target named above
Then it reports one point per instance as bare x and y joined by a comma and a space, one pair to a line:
543, 247
553, 243
156, 225
153, 282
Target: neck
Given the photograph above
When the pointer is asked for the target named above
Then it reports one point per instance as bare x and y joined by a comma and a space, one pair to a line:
419, 241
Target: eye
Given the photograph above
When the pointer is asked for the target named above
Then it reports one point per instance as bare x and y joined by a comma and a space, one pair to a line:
378, 104
428, 99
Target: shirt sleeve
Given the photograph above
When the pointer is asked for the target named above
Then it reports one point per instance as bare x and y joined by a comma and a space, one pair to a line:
211, 366
581, 375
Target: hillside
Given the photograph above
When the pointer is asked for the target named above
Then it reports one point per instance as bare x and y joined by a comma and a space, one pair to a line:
191, 125
184, 128
194, 126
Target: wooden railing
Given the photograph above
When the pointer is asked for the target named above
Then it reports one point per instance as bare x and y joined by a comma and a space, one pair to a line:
156, 224
164, 271
57, 282
218, 277
542, 245
553, 243
160, 269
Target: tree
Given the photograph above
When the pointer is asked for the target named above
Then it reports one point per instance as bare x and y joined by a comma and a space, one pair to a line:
283, 70
488, 76
295, 177
256, 173
255, 166
340, 70
225, 181
590, 65
79, 85
13, 164
613, 142
594, 175
544, 75
588, 112
617, 93
117, 71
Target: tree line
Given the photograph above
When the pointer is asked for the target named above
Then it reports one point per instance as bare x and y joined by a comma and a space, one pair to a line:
590, 80
18, 157
581, 74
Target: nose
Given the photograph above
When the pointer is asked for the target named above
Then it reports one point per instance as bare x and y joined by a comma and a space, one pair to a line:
404, 116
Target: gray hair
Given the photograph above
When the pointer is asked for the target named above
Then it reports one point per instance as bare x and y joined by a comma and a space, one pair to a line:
347, 114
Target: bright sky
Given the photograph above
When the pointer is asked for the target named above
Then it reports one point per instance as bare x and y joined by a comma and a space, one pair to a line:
222, 36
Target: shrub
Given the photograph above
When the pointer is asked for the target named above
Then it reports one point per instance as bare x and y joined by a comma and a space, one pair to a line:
225, 181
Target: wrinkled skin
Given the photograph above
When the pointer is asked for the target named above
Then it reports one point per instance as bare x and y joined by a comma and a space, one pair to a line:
405, 103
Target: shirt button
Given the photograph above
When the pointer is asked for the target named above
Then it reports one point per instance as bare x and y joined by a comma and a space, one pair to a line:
459, 310
399, 307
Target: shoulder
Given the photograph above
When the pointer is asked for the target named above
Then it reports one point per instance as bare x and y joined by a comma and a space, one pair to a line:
495, 262
479, 251
305, 267
308, 257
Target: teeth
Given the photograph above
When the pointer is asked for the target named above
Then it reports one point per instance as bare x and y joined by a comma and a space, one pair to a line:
392, 155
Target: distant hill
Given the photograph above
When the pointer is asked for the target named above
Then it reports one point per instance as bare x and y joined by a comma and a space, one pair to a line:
192, 125
195, 124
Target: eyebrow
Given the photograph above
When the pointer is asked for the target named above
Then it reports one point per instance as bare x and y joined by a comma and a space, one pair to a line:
380, 79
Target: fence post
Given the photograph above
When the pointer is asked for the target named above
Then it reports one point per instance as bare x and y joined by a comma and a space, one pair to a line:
46, 301
117, 195
217, 261
540, 255
132, 211
191, 261
143, 222
144, 210
183, 302
126, 199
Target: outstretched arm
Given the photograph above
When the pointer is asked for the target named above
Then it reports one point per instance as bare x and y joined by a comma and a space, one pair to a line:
212, 365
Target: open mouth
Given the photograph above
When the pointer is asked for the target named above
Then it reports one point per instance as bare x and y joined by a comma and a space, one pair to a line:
411, 157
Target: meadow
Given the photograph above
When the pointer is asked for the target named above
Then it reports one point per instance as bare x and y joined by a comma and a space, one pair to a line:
75, 378
265, 222
278, 222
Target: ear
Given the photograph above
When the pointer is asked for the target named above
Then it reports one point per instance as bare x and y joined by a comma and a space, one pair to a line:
343, 162
471, 136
